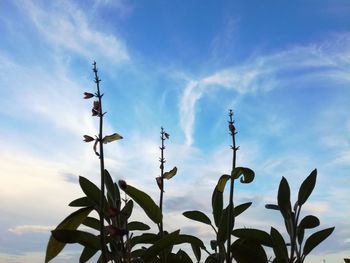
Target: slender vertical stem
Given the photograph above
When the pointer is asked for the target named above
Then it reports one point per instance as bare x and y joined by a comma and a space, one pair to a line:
100, 137
230, 212
162, 162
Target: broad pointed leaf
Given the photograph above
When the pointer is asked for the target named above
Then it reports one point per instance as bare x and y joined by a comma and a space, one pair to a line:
309, 221
248, 251
279, 246
223, 227
92, 222
135, 225
146, 238
272, 206
307, 187
222, 182
73, 221
283, 199
197, 216
111, 191
257, 235
86, 254
241, 208
81, 202
91, 191
315, 239
217, 206
76, 236
146, 203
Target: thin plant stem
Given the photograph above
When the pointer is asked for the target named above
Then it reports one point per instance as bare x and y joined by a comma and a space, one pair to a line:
100, 138
162, 162
231, 208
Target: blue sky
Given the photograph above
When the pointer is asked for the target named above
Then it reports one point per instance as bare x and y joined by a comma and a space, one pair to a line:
282, 66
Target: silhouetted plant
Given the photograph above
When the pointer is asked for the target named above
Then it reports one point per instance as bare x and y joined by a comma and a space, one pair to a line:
298, 250
224, 219
116, 240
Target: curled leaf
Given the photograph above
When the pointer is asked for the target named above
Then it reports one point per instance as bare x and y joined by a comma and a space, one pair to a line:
171, 173
247, 174
111, 138
160, 182
222, 182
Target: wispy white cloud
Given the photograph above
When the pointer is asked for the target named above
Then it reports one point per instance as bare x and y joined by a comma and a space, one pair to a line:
325, 61
66, 26
25, 229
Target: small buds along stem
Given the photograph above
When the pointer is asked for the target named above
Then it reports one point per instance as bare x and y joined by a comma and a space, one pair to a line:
160, 180
88, 138
97, 111
88, 95
232, 130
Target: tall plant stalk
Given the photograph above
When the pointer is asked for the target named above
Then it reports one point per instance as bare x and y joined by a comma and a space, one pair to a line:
161, 179
102, 165
231, 207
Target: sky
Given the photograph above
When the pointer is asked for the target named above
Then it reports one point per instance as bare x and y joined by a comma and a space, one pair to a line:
283, 67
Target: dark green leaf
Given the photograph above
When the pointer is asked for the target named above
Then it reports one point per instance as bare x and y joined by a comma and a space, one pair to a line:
135, 225
146, 238
212, 259
73, 221
91, 191
248, 251
146, 203
126, 211
247, 174
279, 246
309, 222
307, 187
170, 174
241, 208
217, 206
81, 202
182, 257
197, 216
92, 222
159, 245
189, 239
300, 235
110, 187
258, 236
315, 239
223, 230
347, 260
222, 182
197, 252
273, 207
87, 254
76, 236
283, 199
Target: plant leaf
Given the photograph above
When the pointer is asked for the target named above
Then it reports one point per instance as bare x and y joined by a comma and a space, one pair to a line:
86, 254
241, 208
146, 238
283, 199
309, 221
111, 138
223, 227
315, 239
146, 203
222, 182
170, 174
197, 216
307, 187
255, 234
76, 236
248, 174
111, 191
92, 222
217, 206
279, 246
272, 206
73, 221
81, 202
91, 191
135, 225
248, 251
159, 245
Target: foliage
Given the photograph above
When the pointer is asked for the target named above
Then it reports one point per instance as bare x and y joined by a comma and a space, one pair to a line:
113, 235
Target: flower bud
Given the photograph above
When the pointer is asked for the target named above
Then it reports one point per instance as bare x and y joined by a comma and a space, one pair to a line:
231, 128
115, 231
88, 138
160, 182
122, 184
112, 211
88, 95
